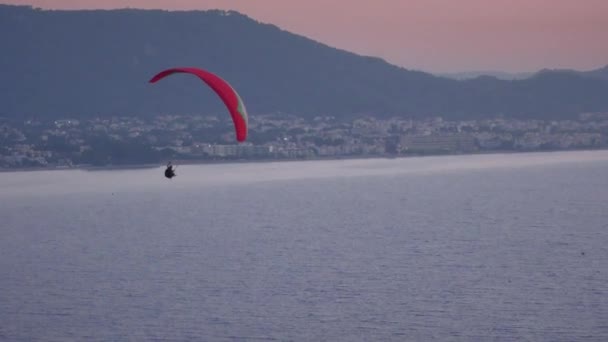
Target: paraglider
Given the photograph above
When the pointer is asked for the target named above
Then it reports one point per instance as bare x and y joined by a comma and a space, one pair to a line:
229, 96
170, 171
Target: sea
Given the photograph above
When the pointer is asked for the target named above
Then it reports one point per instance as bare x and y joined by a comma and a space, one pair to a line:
493, 247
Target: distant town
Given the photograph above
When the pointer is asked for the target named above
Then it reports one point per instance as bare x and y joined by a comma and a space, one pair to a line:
122, 141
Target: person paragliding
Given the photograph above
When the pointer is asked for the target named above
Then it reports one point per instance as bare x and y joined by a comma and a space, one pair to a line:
170, 171
228, 95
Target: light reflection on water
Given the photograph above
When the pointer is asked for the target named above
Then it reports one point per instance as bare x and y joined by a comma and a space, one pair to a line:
112, 180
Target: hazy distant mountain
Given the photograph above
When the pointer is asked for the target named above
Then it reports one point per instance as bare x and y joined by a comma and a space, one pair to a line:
601, 73
83, 63
502, 75
598, 73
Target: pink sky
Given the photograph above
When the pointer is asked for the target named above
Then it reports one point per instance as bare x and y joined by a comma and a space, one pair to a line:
429, 35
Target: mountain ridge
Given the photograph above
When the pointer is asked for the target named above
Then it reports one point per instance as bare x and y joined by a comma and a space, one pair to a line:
97, 62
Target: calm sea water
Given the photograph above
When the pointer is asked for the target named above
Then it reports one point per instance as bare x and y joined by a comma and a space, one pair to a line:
466, 248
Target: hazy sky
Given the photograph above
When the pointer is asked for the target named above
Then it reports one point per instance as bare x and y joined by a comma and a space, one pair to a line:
429, 35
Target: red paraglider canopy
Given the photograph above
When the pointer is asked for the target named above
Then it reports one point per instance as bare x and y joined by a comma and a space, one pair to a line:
229, 96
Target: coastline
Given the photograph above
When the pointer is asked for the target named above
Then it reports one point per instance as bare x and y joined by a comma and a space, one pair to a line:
179, 162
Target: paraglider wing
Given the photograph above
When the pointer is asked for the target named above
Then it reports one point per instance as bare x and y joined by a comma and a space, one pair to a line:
229, 96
